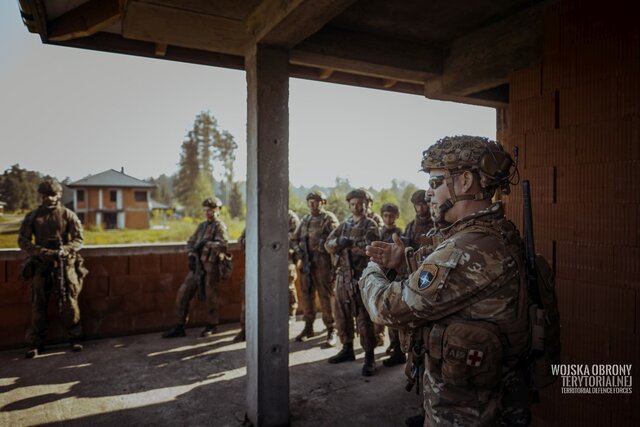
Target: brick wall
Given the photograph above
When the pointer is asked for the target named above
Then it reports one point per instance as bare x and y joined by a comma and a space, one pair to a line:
575, 118
130, 289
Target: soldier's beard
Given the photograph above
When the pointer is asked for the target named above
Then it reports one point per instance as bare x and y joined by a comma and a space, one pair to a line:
437, 216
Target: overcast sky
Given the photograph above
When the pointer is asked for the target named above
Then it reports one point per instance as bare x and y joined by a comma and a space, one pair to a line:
71, 112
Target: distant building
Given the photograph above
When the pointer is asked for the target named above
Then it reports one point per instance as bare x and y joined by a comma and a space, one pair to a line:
112, 199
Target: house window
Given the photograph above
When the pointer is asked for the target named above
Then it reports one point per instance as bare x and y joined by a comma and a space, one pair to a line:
113, 195
140, 196
80, 195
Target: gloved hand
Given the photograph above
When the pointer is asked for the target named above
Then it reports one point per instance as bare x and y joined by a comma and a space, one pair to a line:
192, 263
48, 253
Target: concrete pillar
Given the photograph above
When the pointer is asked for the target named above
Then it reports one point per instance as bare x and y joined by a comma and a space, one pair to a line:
266, 250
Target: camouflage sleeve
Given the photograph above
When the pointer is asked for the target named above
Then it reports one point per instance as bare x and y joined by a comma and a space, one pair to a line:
447, 281
331, 245
372, 234
191, 243
25, 235
385, 300
329, 224
220, 239
75, 233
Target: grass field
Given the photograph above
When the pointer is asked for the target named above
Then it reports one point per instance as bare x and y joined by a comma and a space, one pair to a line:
175, 231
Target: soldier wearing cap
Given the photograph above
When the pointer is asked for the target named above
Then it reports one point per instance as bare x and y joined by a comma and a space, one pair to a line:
466, 299
347, 243
315, 265
205, 246
52, 236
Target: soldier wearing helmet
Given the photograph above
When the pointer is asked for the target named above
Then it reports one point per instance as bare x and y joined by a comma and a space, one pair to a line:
465, 300
204, 247
416, 231
52, 237
315, 265
368, 209
347, 243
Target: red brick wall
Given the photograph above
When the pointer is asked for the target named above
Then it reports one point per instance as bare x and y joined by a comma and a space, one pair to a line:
575, 118
130, 289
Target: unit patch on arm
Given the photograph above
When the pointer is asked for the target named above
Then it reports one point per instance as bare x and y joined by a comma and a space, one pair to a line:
427, 275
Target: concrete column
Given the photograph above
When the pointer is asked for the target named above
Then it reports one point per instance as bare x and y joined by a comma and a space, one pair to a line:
267, 226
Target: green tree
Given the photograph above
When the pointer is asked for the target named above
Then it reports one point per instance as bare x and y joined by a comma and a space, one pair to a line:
204, 146
19, 188
163, 192
236, 204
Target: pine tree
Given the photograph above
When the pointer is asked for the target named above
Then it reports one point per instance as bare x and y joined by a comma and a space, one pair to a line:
236, 205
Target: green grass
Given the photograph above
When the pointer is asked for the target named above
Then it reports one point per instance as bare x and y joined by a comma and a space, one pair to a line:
177, 231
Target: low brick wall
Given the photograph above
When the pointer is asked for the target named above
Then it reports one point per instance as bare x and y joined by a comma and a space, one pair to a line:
130, 289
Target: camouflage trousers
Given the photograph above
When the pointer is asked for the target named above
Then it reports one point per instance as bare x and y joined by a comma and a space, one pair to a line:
293, 293
346, 308
42, 285
321, 282
506, 404
189, 289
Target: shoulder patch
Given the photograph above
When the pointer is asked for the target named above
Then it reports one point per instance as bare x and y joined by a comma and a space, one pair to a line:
427, 275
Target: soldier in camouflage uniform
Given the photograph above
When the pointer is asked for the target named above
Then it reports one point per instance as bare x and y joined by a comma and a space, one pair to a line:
204, 247
379, 329
52, 236
467, 296
317, 276
347, 243
417, 230
390, 213
294, 223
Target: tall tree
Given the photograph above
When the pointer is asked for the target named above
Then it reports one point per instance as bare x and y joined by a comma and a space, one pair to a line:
204, 146
19, 188
236, 205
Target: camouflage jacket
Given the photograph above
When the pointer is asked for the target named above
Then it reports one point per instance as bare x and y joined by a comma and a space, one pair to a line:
49, 228
416, 232
376, 218
386, 234
315, 229
352, 260
213, 235
471, 275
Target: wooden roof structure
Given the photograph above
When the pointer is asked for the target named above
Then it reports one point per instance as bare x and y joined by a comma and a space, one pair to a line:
456, 50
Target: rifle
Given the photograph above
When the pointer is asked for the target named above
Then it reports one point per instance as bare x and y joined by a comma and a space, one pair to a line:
58, 272
306, 263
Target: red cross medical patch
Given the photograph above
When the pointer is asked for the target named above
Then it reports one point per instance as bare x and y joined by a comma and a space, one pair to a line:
474, 358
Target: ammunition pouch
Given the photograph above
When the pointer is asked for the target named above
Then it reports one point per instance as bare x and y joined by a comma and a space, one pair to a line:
470, 353
28, 268
225, 265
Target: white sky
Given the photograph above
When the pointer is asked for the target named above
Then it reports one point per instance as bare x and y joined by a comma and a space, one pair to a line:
71, 112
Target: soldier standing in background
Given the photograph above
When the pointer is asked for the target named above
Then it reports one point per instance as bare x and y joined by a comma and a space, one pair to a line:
52, 236
347, 243
294, 222
390, 213
204, 247
466, 300
416, 231
317, 273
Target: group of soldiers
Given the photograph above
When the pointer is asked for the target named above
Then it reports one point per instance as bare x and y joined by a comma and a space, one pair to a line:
448, 288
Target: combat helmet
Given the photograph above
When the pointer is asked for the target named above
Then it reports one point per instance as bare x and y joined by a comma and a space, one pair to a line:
356, 194
419, 196
212, 202
49, 187
317, 195
483, 156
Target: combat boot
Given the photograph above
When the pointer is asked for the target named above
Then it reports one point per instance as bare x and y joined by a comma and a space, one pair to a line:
306, 333
241, 337
76, 347
209, 330
34, 352
344, 355
397, 357
332, 340
176, 331
369, 366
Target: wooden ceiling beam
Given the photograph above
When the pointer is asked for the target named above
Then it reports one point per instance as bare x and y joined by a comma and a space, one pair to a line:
482, 60
287, 23
85, 20
369, 55
177, 27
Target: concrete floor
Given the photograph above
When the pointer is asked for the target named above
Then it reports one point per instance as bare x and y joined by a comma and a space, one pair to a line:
144, 380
